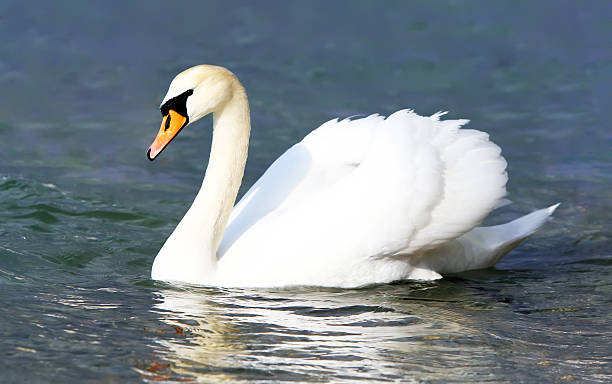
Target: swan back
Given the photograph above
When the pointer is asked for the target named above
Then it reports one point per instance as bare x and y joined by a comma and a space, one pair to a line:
366, 190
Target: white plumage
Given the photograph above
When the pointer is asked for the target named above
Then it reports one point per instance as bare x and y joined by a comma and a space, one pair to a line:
356, 202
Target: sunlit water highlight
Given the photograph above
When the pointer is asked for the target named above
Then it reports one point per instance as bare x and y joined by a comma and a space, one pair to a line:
83, 213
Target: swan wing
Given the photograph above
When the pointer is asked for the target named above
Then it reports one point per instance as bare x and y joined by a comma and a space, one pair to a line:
322, 158
366, 189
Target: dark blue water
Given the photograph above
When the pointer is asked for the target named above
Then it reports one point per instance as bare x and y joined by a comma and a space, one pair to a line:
83, 213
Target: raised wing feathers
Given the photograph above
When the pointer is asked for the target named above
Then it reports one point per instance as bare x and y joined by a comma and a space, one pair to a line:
368, 188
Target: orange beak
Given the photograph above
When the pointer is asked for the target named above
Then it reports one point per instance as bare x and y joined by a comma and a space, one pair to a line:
171, 125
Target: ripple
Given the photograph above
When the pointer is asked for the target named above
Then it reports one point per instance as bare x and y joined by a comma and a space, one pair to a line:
336, 312
82, 213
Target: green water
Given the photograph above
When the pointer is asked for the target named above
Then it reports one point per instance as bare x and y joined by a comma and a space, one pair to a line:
83, 213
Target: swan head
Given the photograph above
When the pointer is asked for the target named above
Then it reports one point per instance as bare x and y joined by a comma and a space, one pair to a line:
193, 94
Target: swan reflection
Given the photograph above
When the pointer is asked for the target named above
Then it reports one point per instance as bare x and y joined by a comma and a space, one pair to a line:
233, 335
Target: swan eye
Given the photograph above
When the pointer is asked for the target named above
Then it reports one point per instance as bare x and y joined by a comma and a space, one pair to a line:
177, 103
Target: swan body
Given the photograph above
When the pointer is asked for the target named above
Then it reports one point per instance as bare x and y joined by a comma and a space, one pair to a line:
356, 202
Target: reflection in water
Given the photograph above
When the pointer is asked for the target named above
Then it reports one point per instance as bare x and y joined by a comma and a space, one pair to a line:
308, 335
82, 212
209, 341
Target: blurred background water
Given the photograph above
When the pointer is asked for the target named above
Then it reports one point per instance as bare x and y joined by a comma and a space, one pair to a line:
83, 213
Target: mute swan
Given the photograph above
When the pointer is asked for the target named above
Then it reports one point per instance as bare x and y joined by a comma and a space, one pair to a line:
356, 202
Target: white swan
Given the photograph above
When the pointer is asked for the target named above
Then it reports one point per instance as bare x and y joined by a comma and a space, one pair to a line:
356, 202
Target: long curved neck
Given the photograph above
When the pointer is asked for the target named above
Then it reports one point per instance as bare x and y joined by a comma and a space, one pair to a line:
228, 154
189, 254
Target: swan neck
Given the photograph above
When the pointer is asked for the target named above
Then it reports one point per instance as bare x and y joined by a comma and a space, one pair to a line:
228, 154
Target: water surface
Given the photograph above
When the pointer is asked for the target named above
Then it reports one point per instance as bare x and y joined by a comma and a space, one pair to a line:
83, 213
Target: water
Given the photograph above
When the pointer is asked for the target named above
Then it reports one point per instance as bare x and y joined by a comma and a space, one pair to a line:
83, 213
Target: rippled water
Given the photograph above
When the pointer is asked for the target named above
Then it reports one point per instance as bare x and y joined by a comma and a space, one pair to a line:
83, 213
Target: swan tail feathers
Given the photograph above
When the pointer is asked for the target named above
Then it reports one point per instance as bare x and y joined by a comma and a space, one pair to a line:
483, 247
519, 229
498, 240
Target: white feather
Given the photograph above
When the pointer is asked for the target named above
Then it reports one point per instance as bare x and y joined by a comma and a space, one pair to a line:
356, 202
